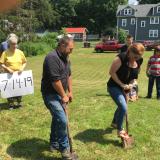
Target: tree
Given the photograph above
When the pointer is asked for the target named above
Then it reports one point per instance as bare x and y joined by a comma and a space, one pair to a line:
28, 17
96, 15
46, 14
148, 1
66, 12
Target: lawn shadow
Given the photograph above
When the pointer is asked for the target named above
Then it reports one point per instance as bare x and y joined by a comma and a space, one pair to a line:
96, 135
102, 95
32, 149
4, 106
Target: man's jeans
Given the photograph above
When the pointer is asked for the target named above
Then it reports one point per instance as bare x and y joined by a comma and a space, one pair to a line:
119, 98
58, 136
151, 83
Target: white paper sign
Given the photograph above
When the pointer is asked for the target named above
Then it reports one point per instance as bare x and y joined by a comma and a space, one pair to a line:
12, 85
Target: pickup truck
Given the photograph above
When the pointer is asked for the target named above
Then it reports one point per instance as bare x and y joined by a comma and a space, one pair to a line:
108, 46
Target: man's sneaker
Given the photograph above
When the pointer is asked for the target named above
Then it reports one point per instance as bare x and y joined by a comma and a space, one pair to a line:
11, 107
149, 97
66, 154
54, 149
113, 125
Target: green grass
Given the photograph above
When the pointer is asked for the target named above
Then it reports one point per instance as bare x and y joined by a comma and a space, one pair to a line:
24, 132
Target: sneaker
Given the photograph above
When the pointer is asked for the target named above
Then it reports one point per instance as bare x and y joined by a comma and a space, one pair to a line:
114, 125
148, 97
19, 105
11, 107
54, 149
66, 154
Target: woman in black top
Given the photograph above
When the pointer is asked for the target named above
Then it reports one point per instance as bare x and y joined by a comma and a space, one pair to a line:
124, 69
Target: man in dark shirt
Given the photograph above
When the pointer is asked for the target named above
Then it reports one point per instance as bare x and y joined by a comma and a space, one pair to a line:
56, 88
129, 41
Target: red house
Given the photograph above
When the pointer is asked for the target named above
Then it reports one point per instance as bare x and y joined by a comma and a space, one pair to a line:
78, 33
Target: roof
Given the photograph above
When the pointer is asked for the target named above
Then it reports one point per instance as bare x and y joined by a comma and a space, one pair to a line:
142, 10
75, 30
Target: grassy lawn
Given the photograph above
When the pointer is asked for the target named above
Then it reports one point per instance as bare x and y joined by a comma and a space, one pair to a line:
24, 132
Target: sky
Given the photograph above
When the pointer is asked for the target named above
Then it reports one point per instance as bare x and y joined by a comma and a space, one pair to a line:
132, 1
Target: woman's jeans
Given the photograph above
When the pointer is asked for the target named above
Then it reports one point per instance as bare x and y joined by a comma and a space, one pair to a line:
151, 83
118, 96
58, 136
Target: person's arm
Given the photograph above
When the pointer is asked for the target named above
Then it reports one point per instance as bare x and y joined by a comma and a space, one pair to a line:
2, 63
7, 68
70, 93
57, 85
147, 68
114, 68
22, 68
24, 62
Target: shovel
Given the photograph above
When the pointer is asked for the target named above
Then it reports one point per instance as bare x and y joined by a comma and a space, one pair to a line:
127, 140
73, 153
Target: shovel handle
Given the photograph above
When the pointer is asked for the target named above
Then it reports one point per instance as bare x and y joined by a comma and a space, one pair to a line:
126, 116
68, 128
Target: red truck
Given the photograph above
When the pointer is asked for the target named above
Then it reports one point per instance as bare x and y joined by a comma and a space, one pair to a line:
108, 46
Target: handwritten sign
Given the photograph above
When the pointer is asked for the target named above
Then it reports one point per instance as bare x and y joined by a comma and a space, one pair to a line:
12, 85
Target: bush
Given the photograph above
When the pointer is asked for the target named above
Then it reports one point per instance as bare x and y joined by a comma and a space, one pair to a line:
122, 34
33, 49
3, 36
50, 39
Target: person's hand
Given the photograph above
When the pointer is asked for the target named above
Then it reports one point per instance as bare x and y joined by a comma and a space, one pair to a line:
20, 71
65, 99
126, 87
70, 96
10, 71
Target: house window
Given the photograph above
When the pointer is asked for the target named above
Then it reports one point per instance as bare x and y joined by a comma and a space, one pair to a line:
158, 9
124, 22
153, 33
154, 20
127, 31
128, 11
143, 23
133, 21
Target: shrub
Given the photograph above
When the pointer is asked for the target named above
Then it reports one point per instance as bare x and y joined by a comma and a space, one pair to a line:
50, 39
3, 36
122, 34
33, 49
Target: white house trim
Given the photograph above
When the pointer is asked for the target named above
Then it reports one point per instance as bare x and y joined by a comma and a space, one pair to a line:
154, 20
136, 30
133, 20
153, 33
158, 9
117, 26
127, 11
127, 31
143, 23
124, 22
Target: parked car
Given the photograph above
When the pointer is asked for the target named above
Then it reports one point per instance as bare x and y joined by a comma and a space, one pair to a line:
147, 44
108, 46
151, 46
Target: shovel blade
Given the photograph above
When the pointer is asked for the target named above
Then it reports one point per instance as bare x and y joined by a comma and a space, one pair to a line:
74, 156
128, 142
